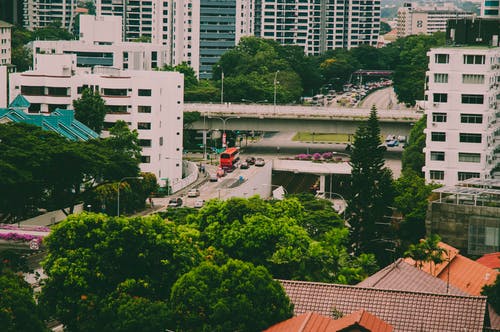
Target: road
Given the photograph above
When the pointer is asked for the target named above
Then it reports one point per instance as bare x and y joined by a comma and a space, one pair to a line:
383, 99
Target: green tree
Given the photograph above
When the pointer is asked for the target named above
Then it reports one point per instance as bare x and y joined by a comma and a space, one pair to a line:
190, 80
493, 293
427, 251
18, 310
90, 109
97, 266
236, 296
413, 155
384, 28
371, 193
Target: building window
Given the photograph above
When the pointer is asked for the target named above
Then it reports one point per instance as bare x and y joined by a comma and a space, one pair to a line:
441, 58
437, 136
144, 125
144, 92
436, 175
143, 109
439, 117
145, 159
491, 236
145, 143
470, 138
471, 118
469, 157
472, 99
437, 155
474, 59
440, 97
472, 79
462, 176
161, 141
440, 78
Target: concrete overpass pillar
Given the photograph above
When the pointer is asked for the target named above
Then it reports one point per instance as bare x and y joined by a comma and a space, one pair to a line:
322, 184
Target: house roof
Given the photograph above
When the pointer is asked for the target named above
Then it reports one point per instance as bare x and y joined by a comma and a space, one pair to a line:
5, 25
405, 311
460, 271
59, 121
313, 322
490, 260
20, 102
400, 275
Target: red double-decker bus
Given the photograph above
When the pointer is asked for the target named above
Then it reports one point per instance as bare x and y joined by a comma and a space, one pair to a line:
229, 158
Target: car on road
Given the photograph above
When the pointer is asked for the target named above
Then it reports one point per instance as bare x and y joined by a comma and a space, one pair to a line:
260, 162
221, 172
199, 203
214, 178
175, 202
393, 143
244, 165
193, 193
250, 160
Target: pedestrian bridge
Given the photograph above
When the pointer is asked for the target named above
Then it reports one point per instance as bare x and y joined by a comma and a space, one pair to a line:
295, 118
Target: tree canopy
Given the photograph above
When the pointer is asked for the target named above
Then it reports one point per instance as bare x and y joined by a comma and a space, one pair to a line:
90, 109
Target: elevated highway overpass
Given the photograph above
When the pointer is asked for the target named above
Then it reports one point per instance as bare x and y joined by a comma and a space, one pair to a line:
294, 118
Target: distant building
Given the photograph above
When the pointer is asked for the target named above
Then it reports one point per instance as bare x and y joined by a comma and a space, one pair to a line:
463, 133
11, 11
151, 102
100, 44
43, 13
416, 19
5, 43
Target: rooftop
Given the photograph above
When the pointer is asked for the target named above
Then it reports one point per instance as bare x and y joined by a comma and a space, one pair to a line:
490, 260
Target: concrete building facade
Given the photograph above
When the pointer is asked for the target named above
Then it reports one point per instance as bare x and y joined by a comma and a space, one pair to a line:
5, 43
151, 102
462, 135
413, 19
318, 25
41, 13
100, 44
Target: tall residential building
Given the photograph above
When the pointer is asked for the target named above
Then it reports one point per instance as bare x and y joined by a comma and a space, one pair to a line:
42, 13
173, 23
463, 131
151, 102
100, 44
490, 9
5, 43
414, 19
319, 25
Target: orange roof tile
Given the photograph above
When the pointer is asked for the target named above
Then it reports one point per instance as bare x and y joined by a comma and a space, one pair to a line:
363, 319
490, 260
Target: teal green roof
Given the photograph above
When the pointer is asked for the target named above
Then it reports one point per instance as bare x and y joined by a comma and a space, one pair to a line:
20, 102
60, 121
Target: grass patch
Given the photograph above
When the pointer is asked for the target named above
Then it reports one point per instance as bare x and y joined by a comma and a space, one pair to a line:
322, 137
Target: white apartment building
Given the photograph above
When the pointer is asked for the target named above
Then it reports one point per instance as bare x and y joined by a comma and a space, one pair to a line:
318, 25
5, 43
462, 110
151, 102
100, 44
41, 13
490, 9
416, 19
173, 23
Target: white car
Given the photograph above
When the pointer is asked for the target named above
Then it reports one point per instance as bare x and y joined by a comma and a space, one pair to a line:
193, 193
199, 203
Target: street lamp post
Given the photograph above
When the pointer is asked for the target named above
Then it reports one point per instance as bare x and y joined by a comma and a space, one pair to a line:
275, 83
222, 88
224, 120
118, 197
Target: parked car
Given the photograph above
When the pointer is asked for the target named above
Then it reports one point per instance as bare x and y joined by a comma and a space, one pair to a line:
199, 203
221, 172
193, 193
244, 165
260, 162
250, 160
393, 143
214, 178
175, 202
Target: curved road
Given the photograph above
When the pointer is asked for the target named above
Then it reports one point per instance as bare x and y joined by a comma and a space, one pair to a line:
383, 99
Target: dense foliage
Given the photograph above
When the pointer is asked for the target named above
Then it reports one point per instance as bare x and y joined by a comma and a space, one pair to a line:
493, 293
413, 155
236, 296
90, 109
371, 194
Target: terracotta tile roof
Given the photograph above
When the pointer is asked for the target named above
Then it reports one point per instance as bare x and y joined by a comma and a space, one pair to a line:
405, 311
313, 322
461, 272
402, 276
490, 260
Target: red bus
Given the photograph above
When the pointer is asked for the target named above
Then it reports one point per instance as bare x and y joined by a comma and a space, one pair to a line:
229, 158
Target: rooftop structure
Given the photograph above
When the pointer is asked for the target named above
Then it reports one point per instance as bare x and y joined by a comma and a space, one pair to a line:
491, 260
405, 311
151, 102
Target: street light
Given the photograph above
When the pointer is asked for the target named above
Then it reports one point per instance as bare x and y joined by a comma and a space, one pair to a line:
275, 83
222, 87
118, 197
224, 120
